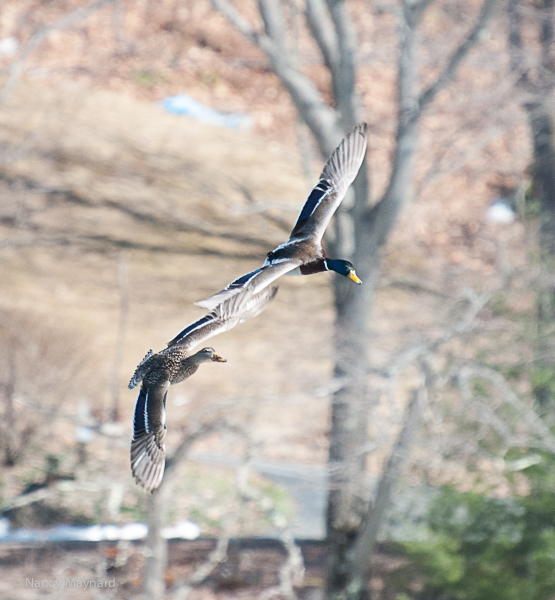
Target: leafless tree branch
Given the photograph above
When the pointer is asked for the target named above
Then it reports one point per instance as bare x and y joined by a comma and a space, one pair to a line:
218, 555
450, 70
369, 531
158, 500
190, 438
527, 414
309, 102
322, 30
486, 414
292, 570
239, 22
274, 23
64, 486
344, 74
122, 277
305, 150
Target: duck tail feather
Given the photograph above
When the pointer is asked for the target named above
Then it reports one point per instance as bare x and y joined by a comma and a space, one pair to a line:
138, 374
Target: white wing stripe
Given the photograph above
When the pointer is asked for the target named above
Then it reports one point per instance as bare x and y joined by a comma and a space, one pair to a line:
324, 195
145, 414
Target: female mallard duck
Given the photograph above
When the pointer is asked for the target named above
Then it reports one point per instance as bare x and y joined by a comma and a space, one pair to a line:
173, 365
303, 254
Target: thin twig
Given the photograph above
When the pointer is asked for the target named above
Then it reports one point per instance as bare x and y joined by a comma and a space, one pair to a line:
320, 118
368, 533
527, 414
450, 70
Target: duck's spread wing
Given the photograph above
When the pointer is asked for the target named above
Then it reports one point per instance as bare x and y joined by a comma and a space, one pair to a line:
148, 449
338, 174
228, 312
253, 282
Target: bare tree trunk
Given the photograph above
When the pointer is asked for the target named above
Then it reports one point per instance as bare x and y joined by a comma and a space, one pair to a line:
370, 528
541, 128
157, 546
349, 413
122, 329
538, 87
157, 557
331, 27
10, 435
541, 124
347, 505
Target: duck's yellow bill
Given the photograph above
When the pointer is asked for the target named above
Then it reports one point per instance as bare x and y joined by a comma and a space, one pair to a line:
353, 277
217, 358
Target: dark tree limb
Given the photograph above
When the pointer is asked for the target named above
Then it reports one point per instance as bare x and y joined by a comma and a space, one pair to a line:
322, 30
537, 81
154, 584
515, 37
320, 118
123, 288
368, 534
450, 70
344, 75
10, 433
155, 566
546, 38
274, 23
384, 214
347, 508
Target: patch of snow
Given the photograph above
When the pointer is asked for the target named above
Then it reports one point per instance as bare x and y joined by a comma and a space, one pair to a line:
8, 46
185, 530
183, 104
500, 212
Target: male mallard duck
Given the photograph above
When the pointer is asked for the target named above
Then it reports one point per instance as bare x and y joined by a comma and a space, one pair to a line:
173, 365
303, 254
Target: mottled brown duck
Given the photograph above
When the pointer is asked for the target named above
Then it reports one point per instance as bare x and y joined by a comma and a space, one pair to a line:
157, 371
303, 254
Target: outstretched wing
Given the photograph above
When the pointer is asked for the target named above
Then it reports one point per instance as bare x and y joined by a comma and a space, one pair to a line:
252, 283
148, 450
337, 175
243, 305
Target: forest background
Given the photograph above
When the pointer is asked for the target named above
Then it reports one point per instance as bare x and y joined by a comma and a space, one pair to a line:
117, 215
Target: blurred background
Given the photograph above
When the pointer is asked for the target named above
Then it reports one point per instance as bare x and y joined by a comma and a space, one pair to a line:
152, 151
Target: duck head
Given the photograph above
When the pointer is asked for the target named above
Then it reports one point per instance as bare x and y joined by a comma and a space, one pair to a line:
343, 267
207, 354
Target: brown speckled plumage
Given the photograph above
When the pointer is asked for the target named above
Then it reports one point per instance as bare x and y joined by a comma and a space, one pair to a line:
157, 371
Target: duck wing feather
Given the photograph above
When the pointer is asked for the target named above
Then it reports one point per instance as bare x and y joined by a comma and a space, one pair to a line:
337, 175
251, 283
326, 196
148, 449
227, 311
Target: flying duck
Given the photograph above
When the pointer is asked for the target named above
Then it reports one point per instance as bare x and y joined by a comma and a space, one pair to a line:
157, 371
303, 254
